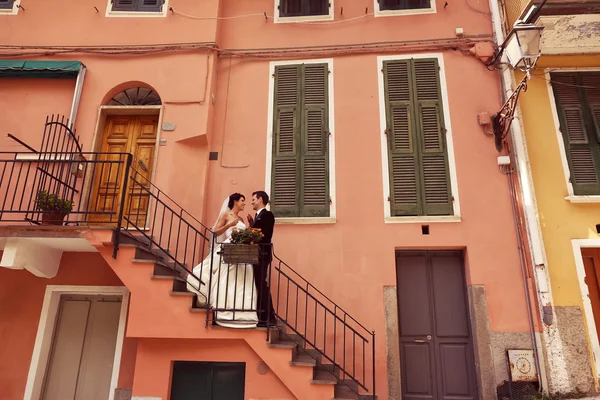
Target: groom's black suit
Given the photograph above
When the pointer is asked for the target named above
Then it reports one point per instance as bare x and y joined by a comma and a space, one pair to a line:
265, 221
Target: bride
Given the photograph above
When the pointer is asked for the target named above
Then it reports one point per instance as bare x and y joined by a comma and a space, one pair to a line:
232, 285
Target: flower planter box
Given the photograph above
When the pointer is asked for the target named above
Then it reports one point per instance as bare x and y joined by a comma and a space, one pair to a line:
240, 253
53, 217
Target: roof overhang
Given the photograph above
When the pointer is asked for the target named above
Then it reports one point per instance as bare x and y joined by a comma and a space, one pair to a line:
560, 7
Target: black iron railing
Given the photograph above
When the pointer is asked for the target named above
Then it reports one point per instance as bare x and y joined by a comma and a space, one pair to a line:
73, 178
339, 342
106, 190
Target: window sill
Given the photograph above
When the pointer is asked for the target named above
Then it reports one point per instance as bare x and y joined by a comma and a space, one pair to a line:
308, 18
136, 14
400, 13
305, 221
422, 219
583, 199
9, 11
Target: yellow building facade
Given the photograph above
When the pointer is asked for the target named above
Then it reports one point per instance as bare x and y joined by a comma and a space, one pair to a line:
560, 123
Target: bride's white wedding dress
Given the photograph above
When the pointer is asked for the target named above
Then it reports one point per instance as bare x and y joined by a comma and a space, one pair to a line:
232, 287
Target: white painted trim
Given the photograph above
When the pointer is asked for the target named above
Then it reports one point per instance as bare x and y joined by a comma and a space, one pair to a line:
399, 13
310, 18
383, 127
11, 11
572, 197
578, 244
305, 221
425, 219
46, 326
77, 95
136, 14
583, 199
270, 114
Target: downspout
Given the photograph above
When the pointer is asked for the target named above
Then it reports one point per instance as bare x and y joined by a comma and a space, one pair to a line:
77, 95
522, 166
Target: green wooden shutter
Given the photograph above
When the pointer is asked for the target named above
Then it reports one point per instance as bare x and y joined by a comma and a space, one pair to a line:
581, 146
6, 4
124, 5
285, 174
405, 191
591, 83
434, 171
314, 141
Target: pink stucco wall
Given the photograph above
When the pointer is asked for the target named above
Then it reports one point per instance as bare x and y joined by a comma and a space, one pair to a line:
353, 259
21, 298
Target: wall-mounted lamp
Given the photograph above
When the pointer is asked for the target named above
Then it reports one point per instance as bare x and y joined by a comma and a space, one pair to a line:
523, 46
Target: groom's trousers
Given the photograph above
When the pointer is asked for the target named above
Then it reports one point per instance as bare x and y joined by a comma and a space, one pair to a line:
264, 303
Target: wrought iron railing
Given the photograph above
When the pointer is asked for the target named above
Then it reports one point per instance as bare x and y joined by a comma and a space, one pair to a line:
339, 342
106, 190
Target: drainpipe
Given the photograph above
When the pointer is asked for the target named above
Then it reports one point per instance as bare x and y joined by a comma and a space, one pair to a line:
77, 95
522, 166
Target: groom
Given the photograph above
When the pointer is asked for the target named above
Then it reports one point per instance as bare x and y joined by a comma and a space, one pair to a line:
265, 221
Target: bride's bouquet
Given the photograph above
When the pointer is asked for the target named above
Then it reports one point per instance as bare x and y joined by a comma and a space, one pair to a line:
246, 236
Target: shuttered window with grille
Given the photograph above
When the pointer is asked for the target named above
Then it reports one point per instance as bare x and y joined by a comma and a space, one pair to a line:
577, 98
386, 5
6, 4
137, 5
301, 8
300, 170
416, 139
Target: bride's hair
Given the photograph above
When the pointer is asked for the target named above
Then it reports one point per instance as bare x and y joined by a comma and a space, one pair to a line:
233, 198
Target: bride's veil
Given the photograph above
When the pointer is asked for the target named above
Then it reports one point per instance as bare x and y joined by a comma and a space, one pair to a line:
224, 208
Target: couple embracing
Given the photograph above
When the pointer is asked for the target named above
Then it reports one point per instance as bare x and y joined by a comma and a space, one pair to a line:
238, 287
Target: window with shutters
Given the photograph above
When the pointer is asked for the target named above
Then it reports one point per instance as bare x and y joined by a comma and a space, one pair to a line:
300, 185
8, 7
416, 143
290, 10
401, 7
138, 6
577, 97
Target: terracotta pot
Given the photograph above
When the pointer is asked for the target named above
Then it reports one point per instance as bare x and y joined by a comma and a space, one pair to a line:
53, 217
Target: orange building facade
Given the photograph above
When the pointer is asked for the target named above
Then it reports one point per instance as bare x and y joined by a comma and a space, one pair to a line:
396, 268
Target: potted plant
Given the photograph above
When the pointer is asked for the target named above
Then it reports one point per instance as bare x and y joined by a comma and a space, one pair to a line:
54, 209
243, 248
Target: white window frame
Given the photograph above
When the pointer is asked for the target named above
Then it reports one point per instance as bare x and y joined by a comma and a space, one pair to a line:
308, 18
136, 14
399, 13
578, 245
331, 149
11, 11
571, 196
455, 217
46, 327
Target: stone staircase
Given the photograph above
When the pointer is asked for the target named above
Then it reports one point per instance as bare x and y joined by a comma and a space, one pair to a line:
325, 379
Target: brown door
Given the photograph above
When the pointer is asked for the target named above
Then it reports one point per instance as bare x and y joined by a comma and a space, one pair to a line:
83, 349
591, 262
436, 349
124, 134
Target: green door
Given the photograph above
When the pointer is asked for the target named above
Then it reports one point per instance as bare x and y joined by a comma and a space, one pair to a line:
193, 380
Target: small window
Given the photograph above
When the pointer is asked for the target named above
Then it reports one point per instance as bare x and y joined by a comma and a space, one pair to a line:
395, 5
152, 6
303, 8
6, 4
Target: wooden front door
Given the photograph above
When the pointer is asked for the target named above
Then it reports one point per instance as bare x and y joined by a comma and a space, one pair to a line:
436, 349
124, 134
591, 262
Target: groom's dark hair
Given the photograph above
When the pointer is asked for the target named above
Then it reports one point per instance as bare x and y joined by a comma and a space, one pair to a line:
261, 195
233, 198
